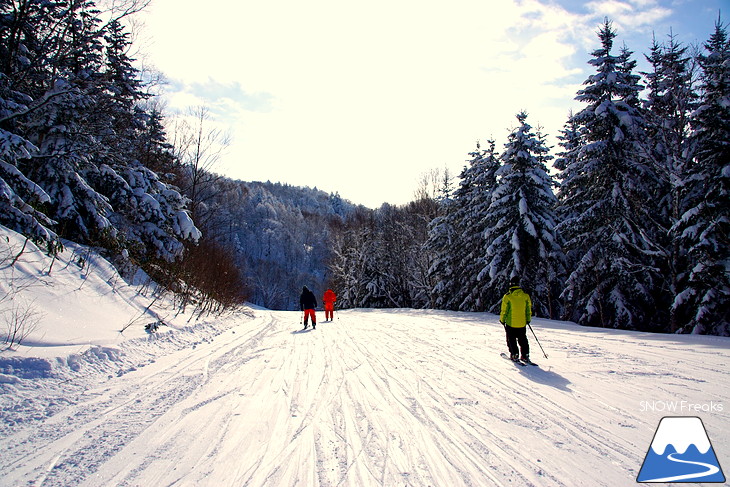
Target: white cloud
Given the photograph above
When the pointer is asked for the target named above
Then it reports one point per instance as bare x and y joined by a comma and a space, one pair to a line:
631, 15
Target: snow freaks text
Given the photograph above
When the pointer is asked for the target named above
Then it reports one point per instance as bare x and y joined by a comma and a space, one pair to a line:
680, 407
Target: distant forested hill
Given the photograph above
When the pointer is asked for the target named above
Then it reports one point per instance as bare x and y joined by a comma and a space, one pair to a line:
281, 235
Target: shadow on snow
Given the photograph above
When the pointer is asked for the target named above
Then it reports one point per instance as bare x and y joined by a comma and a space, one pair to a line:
546, 377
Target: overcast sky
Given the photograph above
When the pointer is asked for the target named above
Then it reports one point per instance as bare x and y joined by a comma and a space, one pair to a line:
362, 98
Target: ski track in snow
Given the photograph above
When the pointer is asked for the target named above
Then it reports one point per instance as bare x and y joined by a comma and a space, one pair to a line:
383, 398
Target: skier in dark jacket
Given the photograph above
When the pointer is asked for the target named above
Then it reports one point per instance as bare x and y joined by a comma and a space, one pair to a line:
307, 303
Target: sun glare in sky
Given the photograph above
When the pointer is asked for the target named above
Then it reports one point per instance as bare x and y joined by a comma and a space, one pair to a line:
364, 98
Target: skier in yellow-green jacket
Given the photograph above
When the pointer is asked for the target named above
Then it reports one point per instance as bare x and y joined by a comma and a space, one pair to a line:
515, 316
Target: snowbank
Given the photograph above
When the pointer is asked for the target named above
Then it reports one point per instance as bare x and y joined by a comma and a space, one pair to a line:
82, 319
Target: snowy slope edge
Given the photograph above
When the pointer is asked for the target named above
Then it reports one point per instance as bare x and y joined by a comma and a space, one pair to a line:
79, 309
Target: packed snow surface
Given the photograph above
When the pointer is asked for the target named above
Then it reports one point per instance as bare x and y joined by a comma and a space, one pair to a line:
373, 398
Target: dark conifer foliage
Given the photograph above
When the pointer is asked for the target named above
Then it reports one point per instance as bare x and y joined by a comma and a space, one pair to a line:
378, 258
607, 196
71, 126
704, 227
456, 236
520, 237
670, 100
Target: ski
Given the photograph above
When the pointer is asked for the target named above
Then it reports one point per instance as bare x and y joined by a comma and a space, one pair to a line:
516, 362
523, 363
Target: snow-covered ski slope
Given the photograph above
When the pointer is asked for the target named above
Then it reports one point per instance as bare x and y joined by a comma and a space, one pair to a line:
384, 398
375, 398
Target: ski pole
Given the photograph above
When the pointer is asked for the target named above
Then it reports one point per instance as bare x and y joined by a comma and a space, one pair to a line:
538, 341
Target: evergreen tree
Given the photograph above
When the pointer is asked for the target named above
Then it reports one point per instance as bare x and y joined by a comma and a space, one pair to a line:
150, 212
606, 195
152, 148
569, 138
417, 217
456, 236
71, 131
356, 271
26, 57
705, 225
670, 100
66, 133
477, 196
441, 237
19, 196
570, 142
520, 225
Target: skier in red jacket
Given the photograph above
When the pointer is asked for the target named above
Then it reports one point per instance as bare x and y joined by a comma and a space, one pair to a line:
329, 300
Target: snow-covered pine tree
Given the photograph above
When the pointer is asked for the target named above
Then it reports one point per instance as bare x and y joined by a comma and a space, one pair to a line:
356, 265
555, 270
152, 148
705, 225
30, 54
393, 257
569, 140
441, 237
65, 130
150, 213
120, 92
417, 216
520, 224
670, 100
481, 181
71, 129
456, 236
445, 188
19, 196
608, 218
